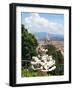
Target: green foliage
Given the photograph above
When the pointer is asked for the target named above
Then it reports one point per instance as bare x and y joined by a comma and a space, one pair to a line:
51, 49
58, 57
59, 63
29, 44
32, 73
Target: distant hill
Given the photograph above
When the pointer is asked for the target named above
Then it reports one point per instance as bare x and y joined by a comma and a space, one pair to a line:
42, 35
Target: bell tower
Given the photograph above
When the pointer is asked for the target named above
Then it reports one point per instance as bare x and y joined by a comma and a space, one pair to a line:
46, 40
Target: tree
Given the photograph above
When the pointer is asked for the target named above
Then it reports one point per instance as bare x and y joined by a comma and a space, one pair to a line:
58, 57
29, 44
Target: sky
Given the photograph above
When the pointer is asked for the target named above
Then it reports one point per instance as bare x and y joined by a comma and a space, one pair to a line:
43, 22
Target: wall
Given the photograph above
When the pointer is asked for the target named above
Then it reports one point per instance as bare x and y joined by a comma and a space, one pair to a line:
4, 45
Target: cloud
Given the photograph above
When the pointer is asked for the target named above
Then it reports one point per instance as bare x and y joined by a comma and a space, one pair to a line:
36, 23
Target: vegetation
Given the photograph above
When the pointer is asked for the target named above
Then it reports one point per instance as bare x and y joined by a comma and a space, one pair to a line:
58, 57
29, 44
32, 73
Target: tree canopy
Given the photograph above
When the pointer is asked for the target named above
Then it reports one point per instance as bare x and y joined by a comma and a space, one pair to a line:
29, 43
58, 57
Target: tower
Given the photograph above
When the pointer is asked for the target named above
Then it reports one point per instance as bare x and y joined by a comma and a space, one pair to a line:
46, 40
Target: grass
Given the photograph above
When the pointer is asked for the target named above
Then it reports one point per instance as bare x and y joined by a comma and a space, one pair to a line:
32, 73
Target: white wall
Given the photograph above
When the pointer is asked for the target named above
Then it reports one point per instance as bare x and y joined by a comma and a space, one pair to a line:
4, 45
